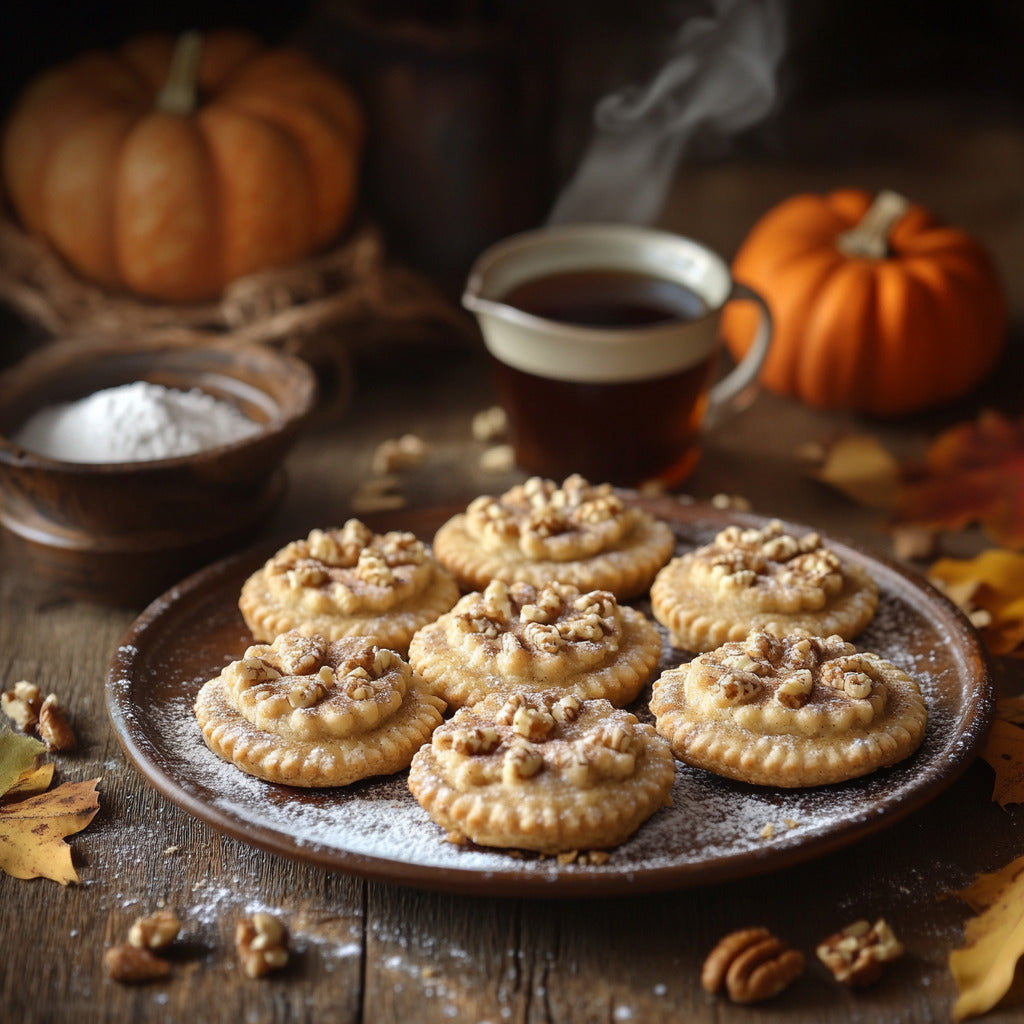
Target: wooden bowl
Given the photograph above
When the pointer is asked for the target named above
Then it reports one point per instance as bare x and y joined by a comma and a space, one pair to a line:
122, 533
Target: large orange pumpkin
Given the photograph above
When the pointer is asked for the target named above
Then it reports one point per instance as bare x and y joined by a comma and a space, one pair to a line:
171, 169
876, 307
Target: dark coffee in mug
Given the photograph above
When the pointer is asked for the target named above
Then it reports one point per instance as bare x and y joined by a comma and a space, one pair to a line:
604, 341
625, 433
606, 298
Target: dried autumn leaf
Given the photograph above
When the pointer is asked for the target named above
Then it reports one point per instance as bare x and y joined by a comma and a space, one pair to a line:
32, 831
1004, 751
973, 473
992, 582
18, 754
37, 780
859, 466
984, 966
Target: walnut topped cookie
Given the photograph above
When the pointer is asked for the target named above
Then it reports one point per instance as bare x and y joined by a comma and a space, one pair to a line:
522, 638
766, 578
538, 531
545, 772
307, 711
348, 582
789, 711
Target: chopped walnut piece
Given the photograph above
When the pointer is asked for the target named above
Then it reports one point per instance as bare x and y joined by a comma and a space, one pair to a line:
532, 723
22, 704
307, 692
857, 954
521, 761
134, 965
566, 709
261, 942
498, 458
733, 502
794, 692
733, 689
490, 424
396, 454
478, 740
155, 931
851, 674
752, 965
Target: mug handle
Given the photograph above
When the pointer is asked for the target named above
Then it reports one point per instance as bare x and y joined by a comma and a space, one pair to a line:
728, 394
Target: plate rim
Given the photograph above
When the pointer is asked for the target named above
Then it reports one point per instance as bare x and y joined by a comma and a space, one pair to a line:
972, 726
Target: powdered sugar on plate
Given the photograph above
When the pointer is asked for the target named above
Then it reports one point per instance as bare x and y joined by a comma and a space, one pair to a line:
715, 828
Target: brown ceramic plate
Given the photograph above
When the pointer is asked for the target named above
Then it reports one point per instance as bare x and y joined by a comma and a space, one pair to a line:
712, 831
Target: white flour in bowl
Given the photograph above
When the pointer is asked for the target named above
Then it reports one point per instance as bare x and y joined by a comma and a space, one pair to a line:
135, 422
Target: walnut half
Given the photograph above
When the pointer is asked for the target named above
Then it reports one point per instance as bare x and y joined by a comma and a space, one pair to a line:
857, 954
752, 965
25, 705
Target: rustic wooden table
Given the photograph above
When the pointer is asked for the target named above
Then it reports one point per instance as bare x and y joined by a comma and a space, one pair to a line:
377, 951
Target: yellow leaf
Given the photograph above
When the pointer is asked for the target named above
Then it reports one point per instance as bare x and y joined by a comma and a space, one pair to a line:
32, 831
31, 782
17, 755
860, 467
993, 582
1004, 751
993, 940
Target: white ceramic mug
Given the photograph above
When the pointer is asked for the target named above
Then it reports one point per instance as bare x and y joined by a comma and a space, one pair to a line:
615, 401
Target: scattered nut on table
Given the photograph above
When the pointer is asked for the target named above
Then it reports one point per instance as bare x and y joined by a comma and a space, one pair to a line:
858, 954
490, 424
498, 458
134, 965
53, 726
21, 704
261, 942
25, 706
154, 931
396, 454
752, 965
731, 502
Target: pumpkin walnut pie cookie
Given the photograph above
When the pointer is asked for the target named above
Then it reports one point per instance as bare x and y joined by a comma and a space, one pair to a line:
767, 578
522, 638
348, 582
789, 711
306, 711
544, 772
538, 531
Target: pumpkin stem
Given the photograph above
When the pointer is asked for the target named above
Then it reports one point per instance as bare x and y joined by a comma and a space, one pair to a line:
180, 92
870, 238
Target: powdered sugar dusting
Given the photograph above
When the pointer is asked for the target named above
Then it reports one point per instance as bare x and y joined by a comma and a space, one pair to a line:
714, 829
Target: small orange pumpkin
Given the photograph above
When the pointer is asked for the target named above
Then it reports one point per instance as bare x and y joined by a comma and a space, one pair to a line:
171, 169
876, 307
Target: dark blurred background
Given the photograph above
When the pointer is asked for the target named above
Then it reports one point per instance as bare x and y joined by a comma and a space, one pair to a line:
834, 48
509, 87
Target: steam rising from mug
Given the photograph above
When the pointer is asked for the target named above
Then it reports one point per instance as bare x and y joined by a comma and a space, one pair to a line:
721, 76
